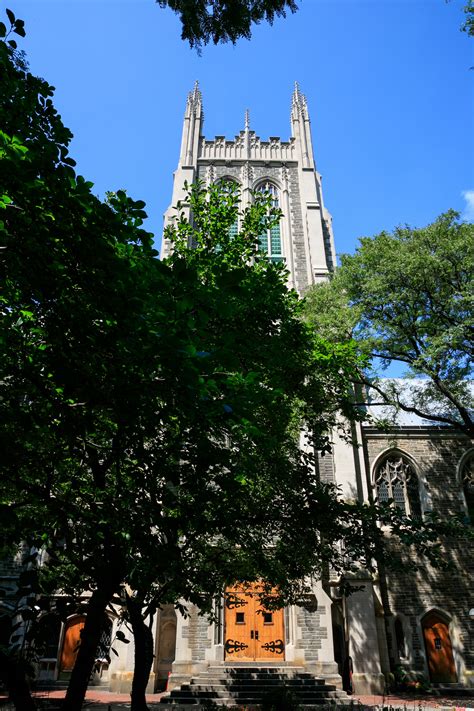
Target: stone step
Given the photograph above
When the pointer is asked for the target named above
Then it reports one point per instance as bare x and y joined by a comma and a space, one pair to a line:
249, 701
257, 675
303, 684
254, 693
247, 685
247, 667
258, 684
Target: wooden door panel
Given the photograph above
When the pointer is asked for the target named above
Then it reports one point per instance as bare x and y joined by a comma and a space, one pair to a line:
271, 641
71, 642
439, 650
239, 614
251, 632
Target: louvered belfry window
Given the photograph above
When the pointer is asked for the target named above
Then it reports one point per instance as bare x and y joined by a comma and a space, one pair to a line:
396, 480
270, 240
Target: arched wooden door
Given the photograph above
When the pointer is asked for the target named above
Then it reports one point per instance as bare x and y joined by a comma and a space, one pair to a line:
71, 642
252, 633
439, 650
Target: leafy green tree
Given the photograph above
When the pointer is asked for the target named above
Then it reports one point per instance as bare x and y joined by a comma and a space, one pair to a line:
407, 298
204, 21
468, 25
149, 408
152, 410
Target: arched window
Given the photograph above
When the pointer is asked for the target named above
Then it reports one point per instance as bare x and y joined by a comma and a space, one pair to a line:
467, 481
270, 240
105, 641
396, 479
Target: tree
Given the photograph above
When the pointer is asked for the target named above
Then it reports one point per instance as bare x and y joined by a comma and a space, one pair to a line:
468, 25
152, 410
406, 298
204, 21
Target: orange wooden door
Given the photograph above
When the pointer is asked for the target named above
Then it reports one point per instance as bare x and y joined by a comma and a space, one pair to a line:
269, 633
71, 642
239, 624
252, 633
439, 650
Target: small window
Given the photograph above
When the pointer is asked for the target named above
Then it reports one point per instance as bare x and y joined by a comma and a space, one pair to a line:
400, 639
47, 636
467, 480
268, 618
240, 618
396, 479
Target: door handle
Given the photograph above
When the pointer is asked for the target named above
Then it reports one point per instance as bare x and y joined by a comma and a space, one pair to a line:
256, 634
251, 634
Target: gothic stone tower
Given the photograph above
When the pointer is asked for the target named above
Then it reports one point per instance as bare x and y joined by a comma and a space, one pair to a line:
287, 168
385, 620
302, 634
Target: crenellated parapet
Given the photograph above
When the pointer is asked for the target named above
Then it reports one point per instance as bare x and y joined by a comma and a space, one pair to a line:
254, 149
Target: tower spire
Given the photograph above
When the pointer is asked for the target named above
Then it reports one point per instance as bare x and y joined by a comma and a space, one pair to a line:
192, 127
298, 101
195, 96
300, 128
247, 120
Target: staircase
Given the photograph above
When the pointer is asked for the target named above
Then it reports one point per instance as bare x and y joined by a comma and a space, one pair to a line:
229, 686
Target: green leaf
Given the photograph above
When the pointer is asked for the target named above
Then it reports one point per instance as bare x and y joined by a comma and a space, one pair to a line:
19, 28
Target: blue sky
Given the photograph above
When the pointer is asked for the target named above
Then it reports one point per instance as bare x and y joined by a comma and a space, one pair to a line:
388, 83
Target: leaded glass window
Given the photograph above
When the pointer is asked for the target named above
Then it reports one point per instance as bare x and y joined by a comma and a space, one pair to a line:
396, 480
228, 185
270, 240
467, 480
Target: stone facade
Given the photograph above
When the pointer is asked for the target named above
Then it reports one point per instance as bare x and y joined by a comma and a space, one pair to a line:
361, 626
383, 624
437, 457
306, 226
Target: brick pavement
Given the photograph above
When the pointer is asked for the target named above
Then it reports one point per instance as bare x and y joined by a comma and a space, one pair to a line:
108, 701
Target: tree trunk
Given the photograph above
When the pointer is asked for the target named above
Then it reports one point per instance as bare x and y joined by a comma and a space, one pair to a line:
143, 638
14, 677
90, 637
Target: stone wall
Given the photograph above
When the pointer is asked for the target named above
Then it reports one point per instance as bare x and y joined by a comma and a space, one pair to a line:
311, 632
197, 635
436, 456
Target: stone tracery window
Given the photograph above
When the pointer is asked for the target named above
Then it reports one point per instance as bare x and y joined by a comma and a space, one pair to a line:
231, 186
270, 240
467, 481
396, 480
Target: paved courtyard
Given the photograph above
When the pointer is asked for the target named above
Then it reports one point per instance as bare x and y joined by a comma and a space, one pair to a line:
106, 701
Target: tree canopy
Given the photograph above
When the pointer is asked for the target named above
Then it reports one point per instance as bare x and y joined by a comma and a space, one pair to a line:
407, 298
205, 21
153, 409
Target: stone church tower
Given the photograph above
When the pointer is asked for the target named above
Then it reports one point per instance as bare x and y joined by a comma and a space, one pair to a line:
286, 168
421, 623
419, 620
303, 635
